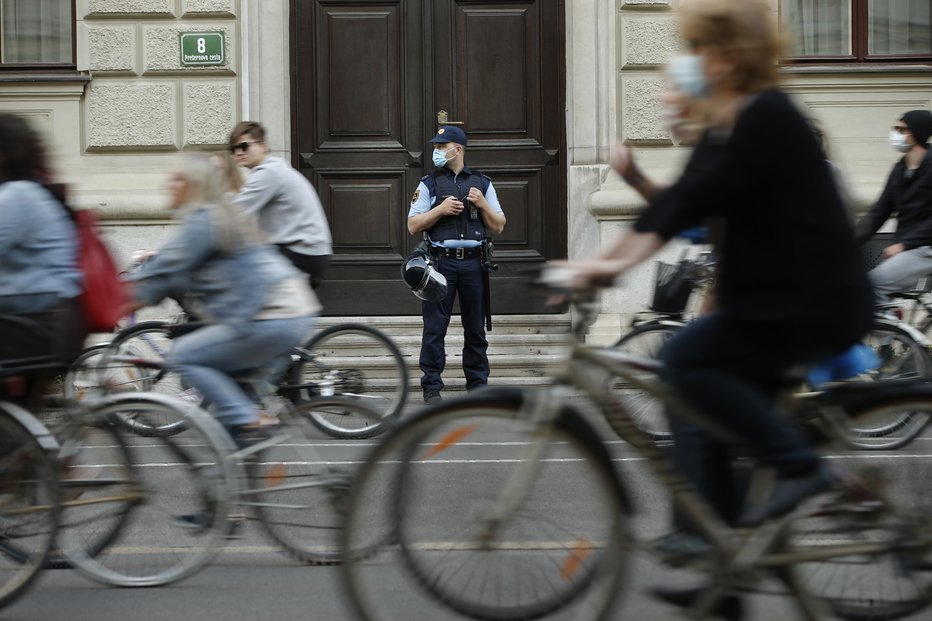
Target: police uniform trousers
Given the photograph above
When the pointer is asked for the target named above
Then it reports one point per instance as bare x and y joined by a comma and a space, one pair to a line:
464, 277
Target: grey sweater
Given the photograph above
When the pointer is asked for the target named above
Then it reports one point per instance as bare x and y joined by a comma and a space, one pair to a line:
286, 207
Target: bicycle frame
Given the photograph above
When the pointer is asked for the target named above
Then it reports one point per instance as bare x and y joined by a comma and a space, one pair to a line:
737, 552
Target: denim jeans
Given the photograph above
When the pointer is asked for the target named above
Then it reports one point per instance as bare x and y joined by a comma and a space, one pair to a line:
207, 357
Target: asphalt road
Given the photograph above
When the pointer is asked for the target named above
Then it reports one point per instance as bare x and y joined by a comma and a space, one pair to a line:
250, 579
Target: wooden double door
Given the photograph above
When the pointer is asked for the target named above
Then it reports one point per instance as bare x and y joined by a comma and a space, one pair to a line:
370, 82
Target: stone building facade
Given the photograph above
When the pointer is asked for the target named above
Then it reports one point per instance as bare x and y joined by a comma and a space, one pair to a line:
116, 122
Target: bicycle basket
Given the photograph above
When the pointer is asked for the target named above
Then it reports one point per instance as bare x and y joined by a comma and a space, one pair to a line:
673, 285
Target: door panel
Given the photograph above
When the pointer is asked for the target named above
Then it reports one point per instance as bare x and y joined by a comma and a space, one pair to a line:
369, 78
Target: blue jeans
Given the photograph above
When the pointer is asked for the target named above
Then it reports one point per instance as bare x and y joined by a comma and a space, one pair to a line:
464, 277
206, 359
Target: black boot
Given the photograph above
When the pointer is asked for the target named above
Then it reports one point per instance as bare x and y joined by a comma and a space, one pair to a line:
729, 607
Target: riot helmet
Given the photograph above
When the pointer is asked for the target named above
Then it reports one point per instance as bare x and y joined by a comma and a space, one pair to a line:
425, 281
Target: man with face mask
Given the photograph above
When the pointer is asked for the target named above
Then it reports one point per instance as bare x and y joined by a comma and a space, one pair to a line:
457, 209
908, 197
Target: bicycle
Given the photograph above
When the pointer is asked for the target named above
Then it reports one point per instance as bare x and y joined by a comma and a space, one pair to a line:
115, 490
349, 360
903, 351
29, 500
295, 494
497, 546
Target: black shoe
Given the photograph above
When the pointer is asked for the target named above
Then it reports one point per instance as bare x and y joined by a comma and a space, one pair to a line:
203, 521
245, 436
728, 607
432, 396
679, 548
193, 521
787, 494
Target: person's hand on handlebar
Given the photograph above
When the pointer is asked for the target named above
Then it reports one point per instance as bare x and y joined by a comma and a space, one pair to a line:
565, 278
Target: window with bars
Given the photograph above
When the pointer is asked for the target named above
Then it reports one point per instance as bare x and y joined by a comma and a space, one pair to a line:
858, 30
36, 34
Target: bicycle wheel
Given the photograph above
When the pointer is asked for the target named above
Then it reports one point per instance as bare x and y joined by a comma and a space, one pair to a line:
870, 545
29, 508
149, 340
133, 489
645, 341
890, 425
82, 379
901, 356
299, 497
351, 360
462, 545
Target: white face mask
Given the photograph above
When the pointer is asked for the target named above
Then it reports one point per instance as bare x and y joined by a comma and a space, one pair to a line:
440, 158
687, 75
898, 141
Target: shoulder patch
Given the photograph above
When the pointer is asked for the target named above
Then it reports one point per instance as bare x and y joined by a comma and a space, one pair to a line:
415, 196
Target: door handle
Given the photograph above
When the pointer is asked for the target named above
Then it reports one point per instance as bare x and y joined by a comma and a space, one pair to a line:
443, 118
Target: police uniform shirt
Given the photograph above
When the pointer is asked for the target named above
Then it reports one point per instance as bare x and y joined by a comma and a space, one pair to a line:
423, 199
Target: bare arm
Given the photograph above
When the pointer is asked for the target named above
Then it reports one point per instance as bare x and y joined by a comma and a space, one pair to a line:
622, 162
426, 221
631, 249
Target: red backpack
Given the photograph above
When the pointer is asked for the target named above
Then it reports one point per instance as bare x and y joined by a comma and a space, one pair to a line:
104, 298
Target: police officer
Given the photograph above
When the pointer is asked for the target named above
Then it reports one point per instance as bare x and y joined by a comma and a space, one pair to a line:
458, 209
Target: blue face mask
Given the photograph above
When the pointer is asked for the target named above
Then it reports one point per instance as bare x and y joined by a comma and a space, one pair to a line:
440, 157
687, 74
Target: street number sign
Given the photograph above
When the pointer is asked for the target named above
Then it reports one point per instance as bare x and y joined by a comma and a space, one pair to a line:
202, 48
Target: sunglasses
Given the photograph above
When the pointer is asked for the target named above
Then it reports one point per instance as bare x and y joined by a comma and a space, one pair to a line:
241, 146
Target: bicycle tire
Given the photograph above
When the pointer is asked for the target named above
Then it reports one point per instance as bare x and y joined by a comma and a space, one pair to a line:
147, 340
81, 380
533, 565
165, 477
888, 509
29, 503
890, 425
901, 356
646, 340
351, 360
300, 498
83, 446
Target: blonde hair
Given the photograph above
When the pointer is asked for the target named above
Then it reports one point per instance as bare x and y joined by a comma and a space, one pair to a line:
207, 189
745, 28
232, 173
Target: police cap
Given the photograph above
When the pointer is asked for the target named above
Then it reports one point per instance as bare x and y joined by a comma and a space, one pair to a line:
450, 133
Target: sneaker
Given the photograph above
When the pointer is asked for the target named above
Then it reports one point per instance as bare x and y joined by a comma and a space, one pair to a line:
203, 521
729, 607
245, 436
432, 396
679, 548
192, 521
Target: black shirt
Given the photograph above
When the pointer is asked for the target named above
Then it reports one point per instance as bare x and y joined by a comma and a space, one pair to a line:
908, 196
786, 247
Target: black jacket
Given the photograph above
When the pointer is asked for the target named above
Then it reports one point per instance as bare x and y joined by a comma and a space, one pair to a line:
786, 247
909, 198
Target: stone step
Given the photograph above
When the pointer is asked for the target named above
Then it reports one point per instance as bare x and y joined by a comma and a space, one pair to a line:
523, 350
501, 324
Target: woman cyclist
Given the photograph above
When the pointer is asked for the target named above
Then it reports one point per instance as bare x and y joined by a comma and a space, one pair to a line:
256, 304
790, 290
39, 277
